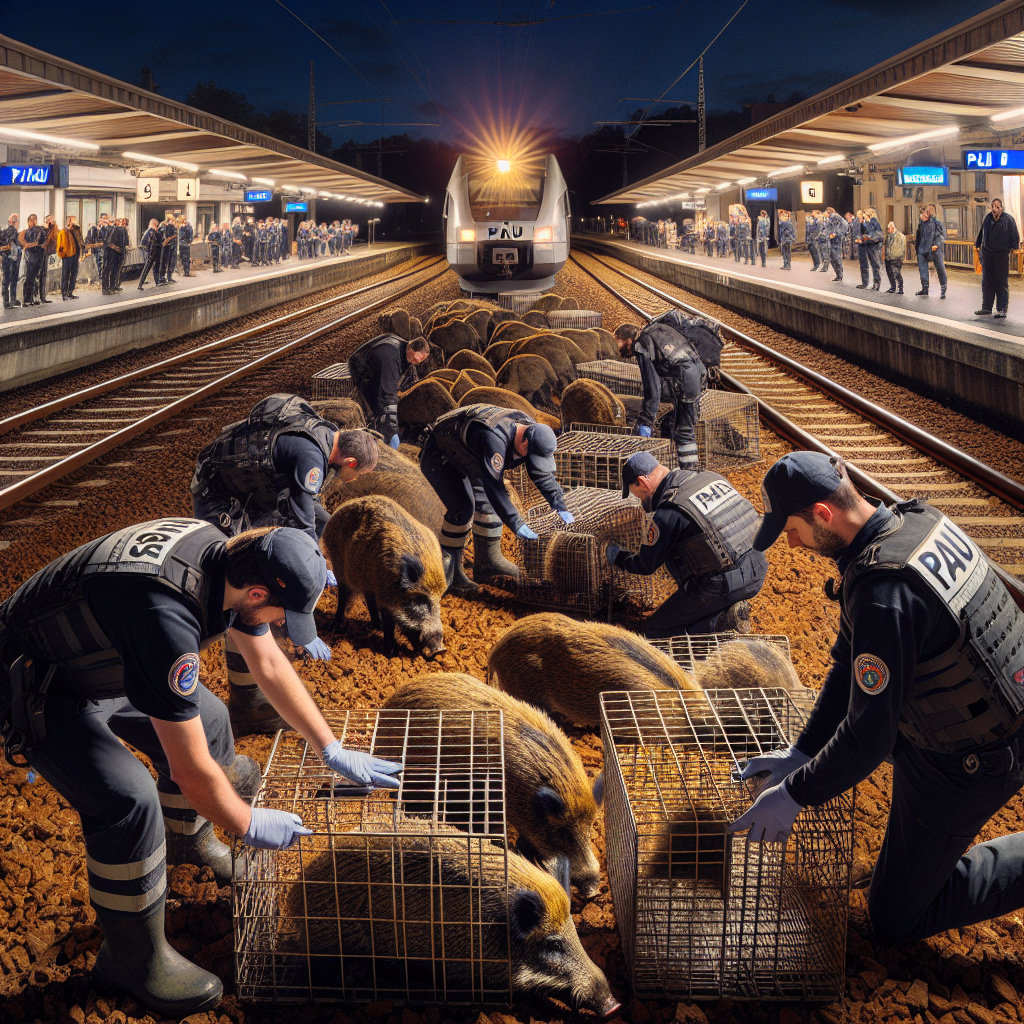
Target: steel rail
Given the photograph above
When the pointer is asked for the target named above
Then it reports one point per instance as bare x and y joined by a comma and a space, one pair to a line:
37, 481
39, 412
787, 428
1002, 486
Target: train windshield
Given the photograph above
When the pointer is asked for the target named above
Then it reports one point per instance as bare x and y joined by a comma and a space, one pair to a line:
511, 196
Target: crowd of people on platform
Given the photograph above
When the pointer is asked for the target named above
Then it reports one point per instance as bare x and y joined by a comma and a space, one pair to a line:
859, 236
320, 240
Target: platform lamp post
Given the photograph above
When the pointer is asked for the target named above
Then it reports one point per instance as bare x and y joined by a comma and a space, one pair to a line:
372, 231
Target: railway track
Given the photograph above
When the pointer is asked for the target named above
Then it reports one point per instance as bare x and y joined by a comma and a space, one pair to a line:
49, 441
890, 457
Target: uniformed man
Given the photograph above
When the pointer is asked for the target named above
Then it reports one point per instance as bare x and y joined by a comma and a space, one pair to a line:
464, 458
286, 248
928, 671
114, 249
743, 239
834, 230
213, 240
722, 239
236, 243
812, 235
871, 239
248, 236
702, 532
10, 257
185, 236
168, 250
787, 236
853, 233
150, 242
709, 238
32, 241
103, 645
671, 365
94, 239
931, 238
376, 368
764, 232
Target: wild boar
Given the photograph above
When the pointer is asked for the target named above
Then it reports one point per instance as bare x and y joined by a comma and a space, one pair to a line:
466, 360
505, 399
421, 405
589, 401
533, 377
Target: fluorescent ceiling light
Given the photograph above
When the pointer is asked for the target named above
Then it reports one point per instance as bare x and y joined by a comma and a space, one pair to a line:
745, 181
55, 140
786, 170
724, 184
703, 190
1008, 115
326, 195
160, 160
311, 191
263, 181
878, 147
228, 174
834, 158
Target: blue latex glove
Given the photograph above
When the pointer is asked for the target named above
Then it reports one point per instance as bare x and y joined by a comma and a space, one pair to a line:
645, 431
356, 766
526, 533
771, 816
781, 764
394, 442
611, 553
332, 580
566, 517
318, 650
274, 830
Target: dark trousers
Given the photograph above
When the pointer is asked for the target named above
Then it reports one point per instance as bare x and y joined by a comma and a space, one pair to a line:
835, 255
691, 608
168, 258
684, 394
185, 252
112, 270
940, 267
453, 488
10, 279
762, 250
44, 262
786, 248
152, 263
868, 256
68, 275
216, 506
215, 256
894, 271
97, 255
924, 881
812, 248
35, 262
995, 275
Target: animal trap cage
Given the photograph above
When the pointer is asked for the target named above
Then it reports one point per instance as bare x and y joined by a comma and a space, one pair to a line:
686, 650
704, 914
518, 302
333, 381
576, 319
394, 895
565, 567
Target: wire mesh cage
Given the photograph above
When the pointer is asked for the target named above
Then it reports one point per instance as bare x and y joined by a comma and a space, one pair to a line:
619, 376
393, 896
518, 302
566, 568
687, 650
703, 914
577, 319
333, 381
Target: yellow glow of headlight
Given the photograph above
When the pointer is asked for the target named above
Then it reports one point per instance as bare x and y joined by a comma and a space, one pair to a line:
504, 166
467, 235
542, 235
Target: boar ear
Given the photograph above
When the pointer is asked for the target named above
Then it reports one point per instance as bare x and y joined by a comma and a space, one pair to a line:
599, 789
549, 803
410, 572
559, 867
525, 913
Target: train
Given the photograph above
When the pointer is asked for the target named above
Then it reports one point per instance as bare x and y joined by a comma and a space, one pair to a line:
506, 223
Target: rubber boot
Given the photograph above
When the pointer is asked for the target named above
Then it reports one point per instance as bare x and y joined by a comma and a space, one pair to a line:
204, 849
252, 713
136, 957
488, 561
458, 582
735, 618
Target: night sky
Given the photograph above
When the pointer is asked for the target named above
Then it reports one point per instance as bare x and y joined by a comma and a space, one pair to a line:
561, 74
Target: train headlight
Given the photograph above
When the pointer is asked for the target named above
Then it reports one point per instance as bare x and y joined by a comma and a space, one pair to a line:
542, 235
467, 235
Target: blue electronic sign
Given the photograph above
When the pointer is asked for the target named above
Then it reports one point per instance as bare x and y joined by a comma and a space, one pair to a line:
993, 159
922, 175
27, 175
258, 195
762, 195
296, 207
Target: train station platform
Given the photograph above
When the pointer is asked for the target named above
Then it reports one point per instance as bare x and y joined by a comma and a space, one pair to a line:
935, 344
41, 341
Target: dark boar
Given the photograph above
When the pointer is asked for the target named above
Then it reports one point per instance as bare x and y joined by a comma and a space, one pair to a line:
348, 415
589, 401
469, 379
512, 330
533, 377
497, 352
609, 347
535, 318
421, 405
508, 400
547, 302
466, 360
483, 323
396, 321
455, 335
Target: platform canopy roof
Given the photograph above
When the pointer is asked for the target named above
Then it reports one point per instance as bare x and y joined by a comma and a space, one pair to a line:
954, 85
49, 96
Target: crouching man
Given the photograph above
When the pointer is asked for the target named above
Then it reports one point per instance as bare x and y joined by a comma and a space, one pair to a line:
702, 532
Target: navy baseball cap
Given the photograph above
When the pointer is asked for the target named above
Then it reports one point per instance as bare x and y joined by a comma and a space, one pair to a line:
795, 482
540, 448
637, 465
295, 571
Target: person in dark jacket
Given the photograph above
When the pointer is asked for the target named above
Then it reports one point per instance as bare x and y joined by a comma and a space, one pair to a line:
185, 237
931, 237
764, 236
115, 247
168, 250
377, 367
10, 257
834, 231
812, 235
150, 243
787, 236
94, 239
895, 250
871, 238
33, 242
998, 237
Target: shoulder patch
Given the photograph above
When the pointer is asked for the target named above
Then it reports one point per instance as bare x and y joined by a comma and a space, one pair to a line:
183, 678
871, 672
313, 480
653, 533
497, 462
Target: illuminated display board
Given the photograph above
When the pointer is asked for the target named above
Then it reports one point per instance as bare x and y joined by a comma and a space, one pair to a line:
296, 208
28, 175
258, 195
922, 175
993, 159
763, 195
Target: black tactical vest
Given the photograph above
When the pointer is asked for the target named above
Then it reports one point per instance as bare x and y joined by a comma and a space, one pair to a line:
670, 351
971, 695
704, 337
727, 521
50, 618
358, 362
450, 431
242, 456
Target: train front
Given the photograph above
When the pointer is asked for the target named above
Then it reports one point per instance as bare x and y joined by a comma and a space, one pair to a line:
506, 223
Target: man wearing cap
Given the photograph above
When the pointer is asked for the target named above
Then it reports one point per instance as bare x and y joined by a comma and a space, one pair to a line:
376, 368
702, 533
668, 361
102, 646
465, 457
928, 671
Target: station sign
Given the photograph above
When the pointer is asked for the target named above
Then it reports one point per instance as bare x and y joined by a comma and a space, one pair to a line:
33, 175
923, 176
296, 208
188, 189
258, 195
762, 195
993, 159
812, 192
147, 190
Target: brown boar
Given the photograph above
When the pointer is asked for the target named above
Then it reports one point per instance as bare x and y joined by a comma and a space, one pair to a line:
345, 413
547, 301
569, 302
444, 375
588, 342
380, 551
421, 405
483, 323
533, 377
466, 360
455, 335
497, 352
609, 347
589, 401
512, 330
508, 400
536, 319
468, 380
396, 321
751, 664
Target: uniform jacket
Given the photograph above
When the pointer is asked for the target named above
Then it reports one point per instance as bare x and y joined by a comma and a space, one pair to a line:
787, 232
930, 232
998, 235
871, 230
185, 234
836, 227
812, 229
150, 240
764, 228
9, 248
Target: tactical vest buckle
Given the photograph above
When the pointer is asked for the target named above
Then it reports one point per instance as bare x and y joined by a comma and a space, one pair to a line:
971, 763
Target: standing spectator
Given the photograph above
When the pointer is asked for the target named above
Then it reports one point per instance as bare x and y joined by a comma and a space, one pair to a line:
997, 238
871, 238
743, 240
185, 238
853, 233
213, 240
248, 233
150, 243
33, 245
168, 250
733, 224
764, 234
70, 246
722, 233
113, 256
227, 247
787, 236
931, 236
10, 257
49, 249
709, 238
812, 235
895, 250
286, 245
835, 230
94, 239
